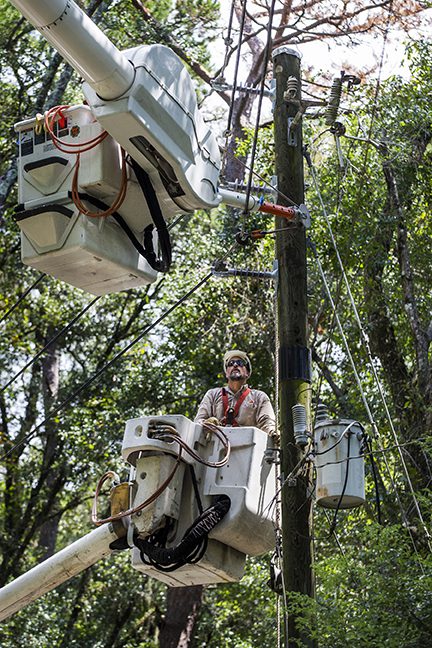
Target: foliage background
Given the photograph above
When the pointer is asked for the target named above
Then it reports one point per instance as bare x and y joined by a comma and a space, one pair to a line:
374, 580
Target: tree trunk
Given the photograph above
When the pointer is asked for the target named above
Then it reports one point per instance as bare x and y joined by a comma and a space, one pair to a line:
50, 384
183, 605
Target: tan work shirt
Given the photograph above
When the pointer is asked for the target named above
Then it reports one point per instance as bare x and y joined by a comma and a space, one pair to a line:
255, 411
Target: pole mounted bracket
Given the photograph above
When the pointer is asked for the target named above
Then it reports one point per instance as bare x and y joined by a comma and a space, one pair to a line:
220, 85
219, 269
302, 105
303, 215
272, 455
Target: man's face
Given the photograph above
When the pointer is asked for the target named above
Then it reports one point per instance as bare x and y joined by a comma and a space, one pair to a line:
237, 369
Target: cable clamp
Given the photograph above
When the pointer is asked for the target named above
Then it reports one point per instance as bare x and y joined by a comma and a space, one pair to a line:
272, 455
130, 535
304, 217
242, 238
275, 581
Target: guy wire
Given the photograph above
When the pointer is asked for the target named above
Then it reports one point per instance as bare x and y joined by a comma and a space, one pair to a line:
237, 65
363, 396
369, 354
260, 99
98, 373
64, 330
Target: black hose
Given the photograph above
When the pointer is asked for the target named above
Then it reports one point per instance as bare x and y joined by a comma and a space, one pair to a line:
193, 544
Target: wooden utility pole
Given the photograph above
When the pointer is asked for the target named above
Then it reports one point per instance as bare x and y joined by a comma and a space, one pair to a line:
294, 356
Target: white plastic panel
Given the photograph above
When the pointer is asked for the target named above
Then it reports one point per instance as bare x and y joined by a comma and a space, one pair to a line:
249, 481
220, 564
136, 438
158, 122
45, 172
151, 472
93, 254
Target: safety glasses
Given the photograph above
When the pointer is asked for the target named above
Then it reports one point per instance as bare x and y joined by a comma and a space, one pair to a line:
237, 363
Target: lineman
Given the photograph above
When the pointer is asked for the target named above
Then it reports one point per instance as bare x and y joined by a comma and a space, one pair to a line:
237, 404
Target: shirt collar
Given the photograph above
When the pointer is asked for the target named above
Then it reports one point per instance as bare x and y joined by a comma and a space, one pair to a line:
230, 391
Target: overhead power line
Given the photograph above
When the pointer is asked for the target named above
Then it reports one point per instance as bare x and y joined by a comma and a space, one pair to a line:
58, 335
109, 364
23, 296
365, 343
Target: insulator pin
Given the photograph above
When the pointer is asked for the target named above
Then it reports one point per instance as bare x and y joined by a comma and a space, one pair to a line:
333, 103
300, 425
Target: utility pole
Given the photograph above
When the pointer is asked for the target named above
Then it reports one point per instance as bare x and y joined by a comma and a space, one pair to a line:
294, 356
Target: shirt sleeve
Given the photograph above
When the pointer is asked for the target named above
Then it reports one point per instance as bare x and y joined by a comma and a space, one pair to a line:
265, 415
206, 408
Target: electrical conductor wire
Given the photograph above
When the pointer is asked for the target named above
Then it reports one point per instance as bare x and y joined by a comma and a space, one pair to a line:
365, 342
236, 68
362, 394
58, 335
98, 373
23, 296
260, 98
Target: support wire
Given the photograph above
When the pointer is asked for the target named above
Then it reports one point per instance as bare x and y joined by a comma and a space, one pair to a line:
98, 373
362, 394
58, 335
366, 345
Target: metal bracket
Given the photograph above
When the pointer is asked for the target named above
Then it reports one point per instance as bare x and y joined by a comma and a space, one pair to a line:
302, 105
221, 86
292, 133
304, 216
272, 455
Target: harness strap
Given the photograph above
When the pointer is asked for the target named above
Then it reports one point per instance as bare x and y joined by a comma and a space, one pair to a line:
231, 413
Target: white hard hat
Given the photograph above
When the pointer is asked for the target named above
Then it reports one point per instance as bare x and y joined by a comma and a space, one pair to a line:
235, 353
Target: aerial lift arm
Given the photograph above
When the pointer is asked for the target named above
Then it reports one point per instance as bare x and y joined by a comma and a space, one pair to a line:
75, 36
65, 564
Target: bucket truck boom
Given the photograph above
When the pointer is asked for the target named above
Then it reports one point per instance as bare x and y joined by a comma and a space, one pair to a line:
197, 501
144, 98
65, 564
92, 226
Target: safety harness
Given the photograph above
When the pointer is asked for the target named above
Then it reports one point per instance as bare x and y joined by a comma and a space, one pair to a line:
231, 413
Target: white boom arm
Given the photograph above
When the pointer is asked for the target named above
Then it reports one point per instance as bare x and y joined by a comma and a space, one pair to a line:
168, 491
65, 564
81, 43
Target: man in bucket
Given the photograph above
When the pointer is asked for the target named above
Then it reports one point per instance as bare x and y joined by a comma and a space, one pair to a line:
236, 404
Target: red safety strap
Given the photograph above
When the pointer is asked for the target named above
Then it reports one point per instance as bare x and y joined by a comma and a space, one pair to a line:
235, 410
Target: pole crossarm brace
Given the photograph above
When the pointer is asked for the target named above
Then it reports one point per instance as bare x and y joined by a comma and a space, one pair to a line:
220, 270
